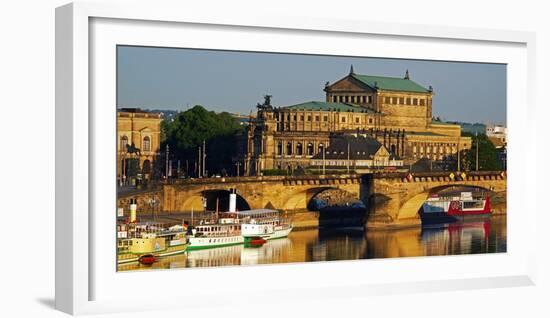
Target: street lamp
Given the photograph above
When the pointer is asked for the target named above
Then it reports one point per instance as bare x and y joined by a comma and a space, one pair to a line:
167, 155
152, 203
238, 165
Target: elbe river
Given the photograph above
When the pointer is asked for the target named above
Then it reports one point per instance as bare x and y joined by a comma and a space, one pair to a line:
315, 245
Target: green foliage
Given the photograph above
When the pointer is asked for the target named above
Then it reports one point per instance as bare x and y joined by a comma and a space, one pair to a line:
488, 155
190, 128
469, 129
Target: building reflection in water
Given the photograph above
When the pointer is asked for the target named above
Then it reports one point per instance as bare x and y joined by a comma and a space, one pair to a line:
472, 237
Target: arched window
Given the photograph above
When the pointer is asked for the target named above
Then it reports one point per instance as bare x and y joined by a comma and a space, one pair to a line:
299, 149
310, 149
146, 143
146, 166
320, 148
280, 148
289, 149
123, 143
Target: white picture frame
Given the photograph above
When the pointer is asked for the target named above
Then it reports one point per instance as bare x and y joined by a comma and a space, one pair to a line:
78, 278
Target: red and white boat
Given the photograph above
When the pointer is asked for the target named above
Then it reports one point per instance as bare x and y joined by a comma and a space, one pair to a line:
450, 208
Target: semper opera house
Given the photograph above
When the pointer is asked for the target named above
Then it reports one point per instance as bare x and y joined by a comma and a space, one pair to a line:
395, 111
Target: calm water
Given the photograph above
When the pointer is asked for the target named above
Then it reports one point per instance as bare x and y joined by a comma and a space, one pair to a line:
487, 236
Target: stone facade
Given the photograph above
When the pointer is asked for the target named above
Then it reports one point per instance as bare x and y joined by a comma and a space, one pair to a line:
141, 130
395, 111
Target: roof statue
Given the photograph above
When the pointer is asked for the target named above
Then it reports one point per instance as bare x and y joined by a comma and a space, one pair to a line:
266, 104
351, 72
407, 75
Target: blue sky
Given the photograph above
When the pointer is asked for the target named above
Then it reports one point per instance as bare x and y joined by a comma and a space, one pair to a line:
173, 78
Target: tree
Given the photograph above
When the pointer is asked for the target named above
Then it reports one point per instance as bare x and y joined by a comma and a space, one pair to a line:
488, 154
190, 128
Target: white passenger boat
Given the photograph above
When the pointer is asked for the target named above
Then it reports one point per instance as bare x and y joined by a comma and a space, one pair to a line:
250, 226
227, 231
263, 224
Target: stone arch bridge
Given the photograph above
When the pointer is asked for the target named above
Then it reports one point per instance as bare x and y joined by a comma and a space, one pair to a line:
286, 193
393, 199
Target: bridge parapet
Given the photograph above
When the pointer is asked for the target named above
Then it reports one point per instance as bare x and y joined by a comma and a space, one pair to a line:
306, 179
442, 176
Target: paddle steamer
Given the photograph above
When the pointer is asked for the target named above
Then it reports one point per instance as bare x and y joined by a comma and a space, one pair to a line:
137, 240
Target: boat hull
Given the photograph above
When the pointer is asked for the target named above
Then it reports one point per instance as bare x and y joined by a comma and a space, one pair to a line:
128, 257
271, 236
443, 217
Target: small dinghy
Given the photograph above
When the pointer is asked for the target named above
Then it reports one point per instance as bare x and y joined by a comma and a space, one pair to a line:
147, 259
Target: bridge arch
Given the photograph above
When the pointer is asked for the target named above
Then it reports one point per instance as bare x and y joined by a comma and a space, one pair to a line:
193, 202
219, 197
301, 199
304, 199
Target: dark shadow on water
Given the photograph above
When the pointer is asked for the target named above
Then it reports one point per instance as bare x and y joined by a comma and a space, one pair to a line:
350, 231
47, 302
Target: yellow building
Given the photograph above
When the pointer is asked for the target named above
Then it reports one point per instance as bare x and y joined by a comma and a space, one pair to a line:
395, 111
138, 137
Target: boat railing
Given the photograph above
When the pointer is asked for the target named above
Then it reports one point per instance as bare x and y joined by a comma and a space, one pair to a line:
218, 234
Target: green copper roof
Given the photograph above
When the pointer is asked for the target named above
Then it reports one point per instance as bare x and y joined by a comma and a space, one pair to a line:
391, 83
323, 106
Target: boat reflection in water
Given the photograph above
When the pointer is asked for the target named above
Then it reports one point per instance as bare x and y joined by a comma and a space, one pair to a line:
461, 238
469, 237
275, 251
227, 255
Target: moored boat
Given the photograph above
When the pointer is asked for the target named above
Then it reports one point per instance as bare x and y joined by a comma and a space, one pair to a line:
147, 259
454, 207
250, 226
215, 235
137, 240
263, 224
